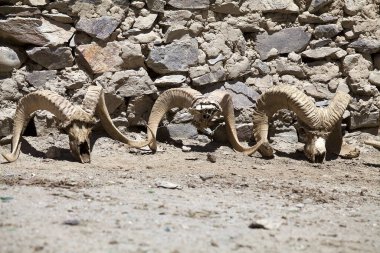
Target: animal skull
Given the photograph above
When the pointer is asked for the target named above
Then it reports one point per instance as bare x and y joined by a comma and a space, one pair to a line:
204, 112
79, 140
315, 146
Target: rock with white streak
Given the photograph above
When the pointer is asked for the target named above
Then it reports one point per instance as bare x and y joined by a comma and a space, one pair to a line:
34, 31
170, 81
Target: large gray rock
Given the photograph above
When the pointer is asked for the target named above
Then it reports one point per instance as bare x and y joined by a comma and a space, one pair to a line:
190, 4
127, 83
285, 41
327, 31
242, 95
52, 58
316, 5
100, 28
115, 56
288, 68
284, 6
10, 59
34, 31
366, 45
175, 57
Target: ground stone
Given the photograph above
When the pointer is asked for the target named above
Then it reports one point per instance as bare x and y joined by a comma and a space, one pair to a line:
145, 23
38, 79
322, 52
285, 41
352, 7
52, 58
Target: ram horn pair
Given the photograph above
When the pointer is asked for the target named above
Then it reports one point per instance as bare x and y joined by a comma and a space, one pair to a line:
75, 120
322, 126
204, 108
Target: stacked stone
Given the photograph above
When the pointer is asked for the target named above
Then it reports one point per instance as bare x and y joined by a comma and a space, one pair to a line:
137, 49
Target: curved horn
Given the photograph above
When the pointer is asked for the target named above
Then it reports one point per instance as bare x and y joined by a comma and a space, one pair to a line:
331, 115
177, 97
111, 129
39, 100
225, 101
282, 97
91, 99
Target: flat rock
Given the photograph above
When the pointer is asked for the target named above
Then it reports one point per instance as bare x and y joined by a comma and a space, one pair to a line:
323, 52
10, 58
38, 78
366, 45
100, 28
145, 38
178, 131
284, 6
327, 31
285, 41
170, 81
127, 83
175, 57
190, 4
115, 56
59, 17
215, 75
52, 58
309, 18
242, 95
179, 17
316, 5
34, 31
146, 22
20, 11
317, 91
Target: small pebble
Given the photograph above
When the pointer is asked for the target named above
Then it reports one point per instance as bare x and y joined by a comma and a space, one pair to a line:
211, 158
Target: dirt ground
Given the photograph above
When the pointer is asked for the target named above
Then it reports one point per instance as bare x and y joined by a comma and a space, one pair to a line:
237, 204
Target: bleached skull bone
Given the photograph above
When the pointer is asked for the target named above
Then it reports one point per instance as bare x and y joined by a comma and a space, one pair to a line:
204, 112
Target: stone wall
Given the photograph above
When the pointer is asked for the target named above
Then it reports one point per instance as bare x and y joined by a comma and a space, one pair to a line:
137, 49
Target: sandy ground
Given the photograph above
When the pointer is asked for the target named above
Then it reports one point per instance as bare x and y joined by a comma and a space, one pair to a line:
237, 204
